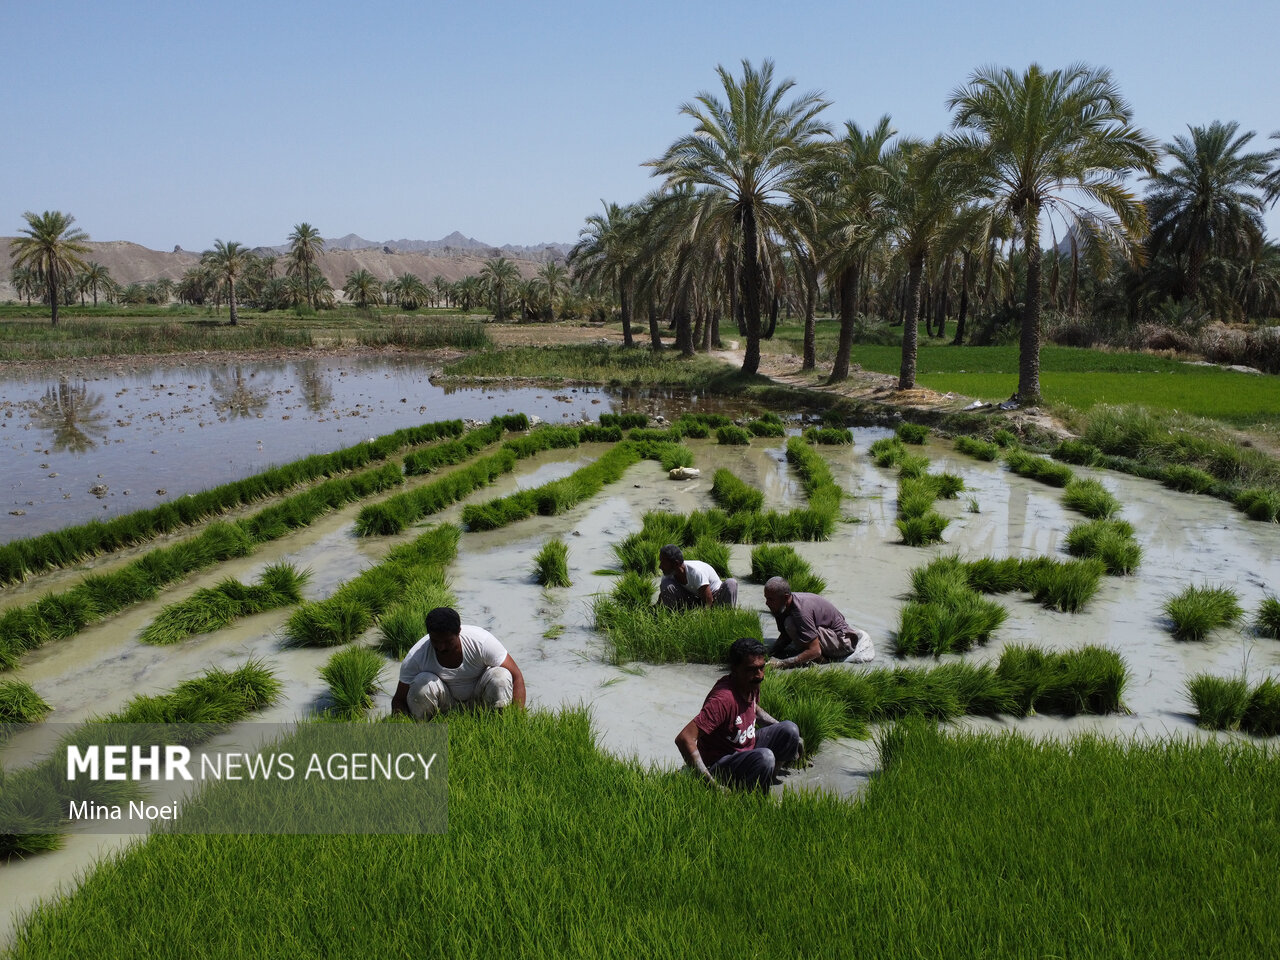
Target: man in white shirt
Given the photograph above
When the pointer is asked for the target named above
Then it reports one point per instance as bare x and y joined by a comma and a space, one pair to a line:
456, 665
692, 583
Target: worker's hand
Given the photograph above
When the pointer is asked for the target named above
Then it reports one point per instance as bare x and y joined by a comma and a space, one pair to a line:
715, 784
775, 663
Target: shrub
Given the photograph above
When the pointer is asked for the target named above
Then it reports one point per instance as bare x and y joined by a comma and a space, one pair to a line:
912, 432
551, 565
1197, 610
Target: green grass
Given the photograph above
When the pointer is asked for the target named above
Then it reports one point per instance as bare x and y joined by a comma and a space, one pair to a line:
979, 449
780, 560
1188, 479
733, 494
912, 432
212, 608
19, 703
659, 635
944, 612
457, 333
1110, 541
551, 564
1038, 468
1066, 586
1198, 610
1090, 498
352, 675
1267, 622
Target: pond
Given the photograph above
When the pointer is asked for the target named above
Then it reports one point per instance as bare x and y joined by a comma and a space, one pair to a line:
79, 447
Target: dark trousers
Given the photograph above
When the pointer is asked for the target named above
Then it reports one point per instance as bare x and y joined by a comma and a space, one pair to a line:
776, 745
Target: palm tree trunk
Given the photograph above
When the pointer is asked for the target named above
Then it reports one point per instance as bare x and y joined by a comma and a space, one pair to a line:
752, 281
846, 294
231, 300
910, 329
966, 277
1029, 345
655, 336
624, 299
52, 277
810, 321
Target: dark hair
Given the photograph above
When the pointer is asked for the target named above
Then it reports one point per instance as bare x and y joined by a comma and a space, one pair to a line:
444, 621
743, 649
671, 553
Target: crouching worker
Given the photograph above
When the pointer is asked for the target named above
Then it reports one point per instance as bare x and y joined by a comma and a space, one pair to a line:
692, 583
456, 666
733, 741
814, 627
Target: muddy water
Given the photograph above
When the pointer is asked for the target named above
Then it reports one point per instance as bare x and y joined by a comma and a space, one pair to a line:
79, 447
639, 708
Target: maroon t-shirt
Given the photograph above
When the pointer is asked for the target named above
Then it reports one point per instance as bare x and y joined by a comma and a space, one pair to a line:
726, 724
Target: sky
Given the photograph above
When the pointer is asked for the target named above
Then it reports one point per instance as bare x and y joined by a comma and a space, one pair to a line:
174, 124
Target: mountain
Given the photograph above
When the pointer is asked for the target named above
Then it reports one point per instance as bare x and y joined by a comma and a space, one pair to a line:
454, 244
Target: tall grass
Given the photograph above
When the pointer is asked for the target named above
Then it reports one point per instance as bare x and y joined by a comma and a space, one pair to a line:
19, 703
582, 363
551, 565
780, 560
932, 836
352, 676
360, 602
212, 608
430, 335
1198, 610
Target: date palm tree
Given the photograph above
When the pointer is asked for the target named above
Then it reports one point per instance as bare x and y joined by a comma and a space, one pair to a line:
1052, 142
52, 249
755, 151
554, 278
362, 287
501, 276
227, 261
305, 247
95, 276
605, 254
1208, 202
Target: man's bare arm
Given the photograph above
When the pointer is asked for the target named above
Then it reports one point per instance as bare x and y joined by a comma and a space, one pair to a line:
517, 681
400, 700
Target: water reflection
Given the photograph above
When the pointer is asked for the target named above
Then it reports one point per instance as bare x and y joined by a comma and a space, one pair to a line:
313, 383
71, 414
235, 396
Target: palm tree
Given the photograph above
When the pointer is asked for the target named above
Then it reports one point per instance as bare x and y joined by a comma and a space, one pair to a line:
1271, 182
227, 261
1052, 142
1207, 203
51, 248
96, 275
412, 292
605, 254
755, 151
362, 287
554, 277
501, 275
468, 291
25, 281
305, 246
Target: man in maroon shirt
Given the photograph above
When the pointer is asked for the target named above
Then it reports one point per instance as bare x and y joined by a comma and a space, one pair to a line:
733, 740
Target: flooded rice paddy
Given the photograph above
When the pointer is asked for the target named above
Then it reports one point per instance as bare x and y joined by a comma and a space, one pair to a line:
638, 708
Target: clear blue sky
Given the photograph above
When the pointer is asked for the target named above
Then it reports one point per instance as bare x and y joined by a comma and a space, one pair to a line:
169, 123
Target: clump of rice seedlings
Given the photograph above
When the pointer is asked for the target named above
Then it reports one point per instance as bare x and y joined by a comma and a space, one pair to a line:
733, 435
1078, 452
1089, 680
658, 635
887, 451
1005, 439
1267, 622
1262, 715
912, 432
1187, 479
551, 565
627, 421
692, 429
973, 506
1197, 610
1259, 503
1039, 468
1062, 585
921, 530
780, 560
454, 452
352, 676
712, 551
664, 527
1111, 541
1220, 702
946, 486
633, 590
830, 436
733, 494
769, 425
590, 433
912, 466
212, 608
638, 552
19, 703
980, 449
1090, 498
915, 496
954, 625
713, 420
511, 422
989, 575
406, 623
655, 435
670, 455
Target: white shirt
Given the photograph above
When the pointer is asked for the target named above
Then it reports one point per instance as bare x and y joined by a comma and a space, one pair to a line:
699, 574
480, 651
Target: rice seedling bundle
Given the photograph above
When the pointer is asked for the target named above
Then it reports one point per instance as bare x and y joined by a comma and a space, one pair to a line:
212, 608
1267, 621
663, 527
780, 560
19, 703
915, 433
733, 436
1260, 503
829, 436
1005, 439
1078, 452
455, 451
712, 551
551, 565
989, 575
974, 447
1039, 468
360, 602
1062, 585
1220, 702
657, 634
625, 421
921, 530
712, 420
911, 466
590, 433
1187, 479
956, 625
352, 676
915, 497
1090, 498
406, 623
633, 590
1110, 541
692, 429
887, 451
638, 552
1262, 714
733, 494
643, 435
1198, 610
769, 425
